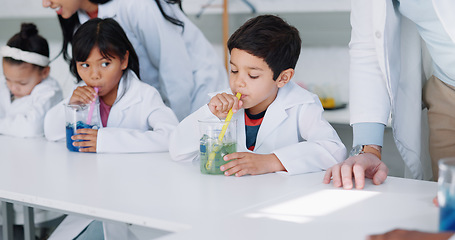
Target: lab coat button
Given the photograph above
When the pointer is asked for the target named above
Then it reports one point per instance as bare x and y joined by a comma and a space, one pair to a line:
378, 34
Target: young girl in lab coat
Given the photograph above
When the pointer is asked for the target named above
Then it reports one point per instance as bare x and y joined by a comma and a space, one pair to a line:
133, 116
26, 91
164, 38
280, 125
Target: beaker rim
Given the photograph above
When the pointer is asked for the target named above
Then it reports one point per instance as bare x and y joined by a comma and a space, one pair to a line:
216, 121
447, 162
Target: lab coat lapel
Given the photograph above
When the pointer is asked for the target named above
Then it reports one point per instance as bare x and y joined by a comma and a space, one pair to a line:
126, 97
274, 116
107, 10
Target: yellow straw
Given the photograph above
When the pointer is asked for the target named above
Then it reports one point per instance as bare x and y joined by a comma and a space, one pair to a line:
212, 155
227, 121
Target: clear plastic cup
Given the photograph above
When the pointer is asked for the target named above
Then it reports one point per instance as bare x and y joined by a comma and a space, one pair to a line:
212, 150
77, 117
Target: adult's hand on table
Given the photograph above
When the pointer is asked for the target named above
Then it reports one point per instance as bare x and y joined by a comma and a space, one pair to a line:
365, 165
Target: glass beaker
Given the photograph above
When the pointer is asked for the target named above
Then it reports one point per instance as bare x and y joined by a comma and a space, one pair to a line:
214, 147
80, 116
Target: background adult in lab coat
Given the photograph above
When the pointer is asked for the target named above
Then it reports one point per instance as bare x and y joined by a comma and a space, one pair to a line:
174, 56
386, 78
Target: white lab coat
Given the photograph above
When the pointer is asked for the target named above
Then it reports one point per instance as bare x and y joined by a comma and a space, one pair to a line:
293, 129
138, 121
24, 117
180, 63
386, 75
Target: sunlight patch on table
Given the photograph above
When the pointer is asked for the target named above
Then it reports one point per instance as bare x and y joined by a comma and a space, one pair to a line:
305, 209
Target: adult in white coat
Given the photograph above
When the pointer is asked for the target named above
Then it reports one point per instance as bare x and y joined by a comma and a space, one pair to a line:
174, 55
293, 136
396, 45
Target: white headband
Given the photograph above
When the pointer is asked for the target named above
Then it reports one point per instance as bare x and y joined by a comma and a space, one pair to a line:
29, 57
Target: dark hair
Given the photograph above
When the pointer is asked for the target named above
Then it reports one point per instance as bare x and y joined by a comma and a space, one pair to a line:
69, 25
28, 40
270, 38
109, 37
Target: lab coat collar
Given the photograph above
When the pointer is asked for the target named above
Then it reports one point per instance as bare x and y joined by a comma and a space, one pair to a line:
126, 97
106, 10
288, 96
126, 94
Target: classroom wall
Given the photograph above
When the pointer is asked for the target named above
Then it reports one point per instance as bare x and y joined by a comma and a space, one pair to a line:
325, 37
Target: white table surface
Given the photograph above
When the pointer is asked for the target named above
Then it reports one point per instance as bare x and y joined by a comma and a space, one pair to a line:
143, 189
324, 212
152, 191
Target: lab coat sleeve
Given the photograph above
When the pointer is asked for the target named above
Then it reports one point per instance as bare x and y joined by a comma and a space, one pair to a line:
161, 121
369, 99
321, 148
210, 78
29, 123
173, 61
54, 122
184, 141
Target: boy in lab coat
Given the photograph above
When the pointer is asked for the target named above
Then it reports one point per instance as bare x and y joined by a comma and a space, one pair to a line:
280, 125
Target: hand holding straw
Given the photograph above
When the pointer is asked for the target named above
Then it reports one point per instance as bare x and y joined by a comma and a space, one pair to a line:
212, 155
227, 121
90, 110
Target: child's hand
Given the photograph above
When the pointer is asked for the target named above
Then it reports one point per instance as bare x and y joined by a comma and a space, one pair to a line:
89, 136
83, 95
251, 163
220, 104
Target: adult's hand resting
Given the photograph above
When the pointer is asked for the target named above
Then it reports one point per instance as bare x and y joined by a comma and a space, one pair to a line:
364, 165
